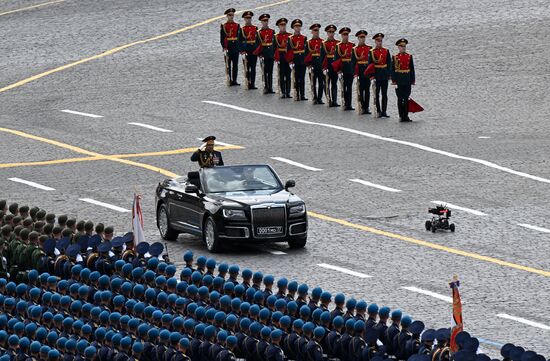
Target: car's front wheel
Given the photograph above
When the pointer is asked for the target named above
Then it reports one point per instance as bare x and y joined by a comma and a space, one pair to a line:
163, 222
297, 242
210, 236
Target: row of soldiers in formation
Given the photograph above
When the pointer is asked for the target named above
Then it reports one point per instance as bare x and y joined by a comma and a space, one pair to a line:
31, 238
215, 312
330, 61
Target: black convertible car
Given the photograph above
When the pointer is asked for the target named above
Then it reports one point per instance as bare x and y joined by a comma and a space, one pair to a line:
245, 203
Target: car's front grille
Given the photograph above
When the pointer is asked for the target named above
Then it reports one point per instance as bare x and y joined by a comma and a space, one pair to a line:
269, 221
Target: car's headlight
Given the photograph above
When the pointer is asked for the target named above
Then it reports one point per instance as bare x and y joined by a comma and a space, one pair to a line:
297, 210
237, 214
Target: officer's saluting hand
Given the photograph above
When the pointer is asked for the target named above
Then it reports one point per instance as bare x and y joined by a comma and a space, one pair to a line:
206, 156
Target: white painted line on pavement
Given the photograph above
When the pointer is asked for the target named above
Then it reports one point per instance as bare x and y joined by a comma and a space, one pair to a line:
429, 293
32, 184
524, 321
106, 205
369, 184
484, 137
83, 114
536, 228
390, 140
275, 252
454, 206
291, 162
220, 143
343, 270
151, 127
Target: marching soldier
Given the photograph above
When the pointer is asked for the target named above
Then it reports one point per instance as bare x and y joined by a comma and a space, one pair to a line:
361, 59
317, 78
344, 53
402, 75
281, 40
266, 52
249, 42
206, 156
381, 58
331, 77
229, 38
297, 47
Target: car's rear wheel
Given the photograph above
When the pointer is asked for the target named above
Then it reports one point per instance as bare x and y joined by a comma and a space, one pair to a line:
163, 222
297, 242
210, 236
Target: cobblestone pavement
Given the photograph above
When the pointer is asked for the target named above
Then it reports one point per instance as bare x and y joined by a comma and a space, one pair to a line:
481, 73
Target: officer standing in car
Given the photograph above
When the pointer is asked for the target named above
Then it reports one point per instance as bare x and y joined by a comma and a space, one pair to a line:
206, 156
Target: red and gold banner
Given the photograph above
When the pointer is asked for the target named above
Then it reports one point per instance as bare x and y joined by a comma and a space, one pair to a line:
456, 322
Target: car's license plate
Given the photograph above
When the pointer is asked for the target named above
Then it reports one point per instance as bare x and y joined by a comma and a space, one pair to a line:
269, 230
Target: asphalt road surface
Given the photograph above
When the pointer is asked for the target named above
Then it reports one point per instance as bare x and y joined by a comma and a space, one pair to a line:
482, 145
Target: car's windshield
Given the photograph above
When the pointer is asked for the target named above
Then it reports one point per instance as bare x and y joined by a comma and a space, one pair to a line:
240, 179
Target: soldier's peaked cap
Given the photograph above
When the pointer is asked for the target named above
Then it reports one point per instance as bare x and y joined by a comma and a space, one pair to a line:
330, 27
378, 35
117, 242
156, 249
209, 138
361, 32
230, 11
401, 41
281, 21
315, 26
296, 22
248, 14
104, 247
264, 17
345, 30
142, 247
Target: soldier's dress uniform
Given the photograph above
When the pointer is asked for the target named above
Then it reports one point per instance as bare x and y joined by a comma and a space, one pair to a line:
402, 74
207, 159
281, 45
331, 79
229, 39
314, 47
266, 52
344, 53
297, 45
381, 59
248, 37
361, 60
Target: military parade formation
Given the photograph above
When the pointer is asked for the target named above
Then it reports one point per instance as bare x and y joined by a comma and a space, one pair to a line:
329, 63
96, 296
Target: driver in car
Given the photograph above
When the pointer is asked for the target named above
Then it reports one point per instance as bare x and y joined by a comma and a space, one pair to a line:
206, 156
250, 181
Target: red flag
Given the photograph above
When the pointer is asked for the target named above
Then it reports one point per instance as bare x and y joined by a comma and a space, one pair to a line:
456, 322
414, 107
370, 69
337, 65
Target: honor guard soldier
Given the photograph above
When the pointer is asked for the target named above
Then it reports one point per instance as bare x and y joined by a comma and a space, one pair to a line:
402, 75
266, 52
361, 59
316, 76
206, 156
297, 47
248, 37
284, 72
344, 53
381, 58
331, 76
229, 38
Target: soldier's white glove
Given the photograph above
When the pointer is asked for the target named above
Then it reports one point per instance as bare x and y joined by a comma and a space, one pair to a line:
202, 147
291, 65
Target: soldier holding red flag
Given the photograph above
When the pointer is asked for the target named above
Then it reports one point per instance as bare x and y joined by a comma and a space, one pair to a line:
331, 77
297, 46
361, 59
343, 55
229, 39
284, 72
381, 58
314, 60
248, 38
266, 52
403, 76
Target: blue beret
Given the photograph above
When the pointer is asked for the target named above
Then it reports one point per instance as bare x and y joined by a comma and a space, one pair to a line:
245, 323
316, 314
316, 292
35, 347
350, 324
53, 354
225, 300
359, 325
175, 337
45, 349
210, 331
229, 286
325, 317
406, 321
292, 306
81, 345
210, 314
196, 276
219, 316
233, 269
326, 296
285, 321
188, 256
231, 340
70, 344
201, 260
266, 331
384, 311
231, 320
308, 327
257, 276
292, 286
222, 336
298, 324
280, 304
186, 272
271, 300
184, 342
211, 263
338, 321
351, 304
281, 282
305, 310
373, 308
164, 335
339, 299
264, 314
269, 279
396, 315
361, 305
276, 334
218, 282
90, 351
236, 304
137, 347
319, 332
203, 291
258, 296
255, 327
247, 273
152, 262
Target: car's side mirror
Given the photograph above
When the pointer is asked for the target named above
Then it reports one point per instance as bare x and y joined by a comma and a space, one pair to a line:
289, 184
191, 188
